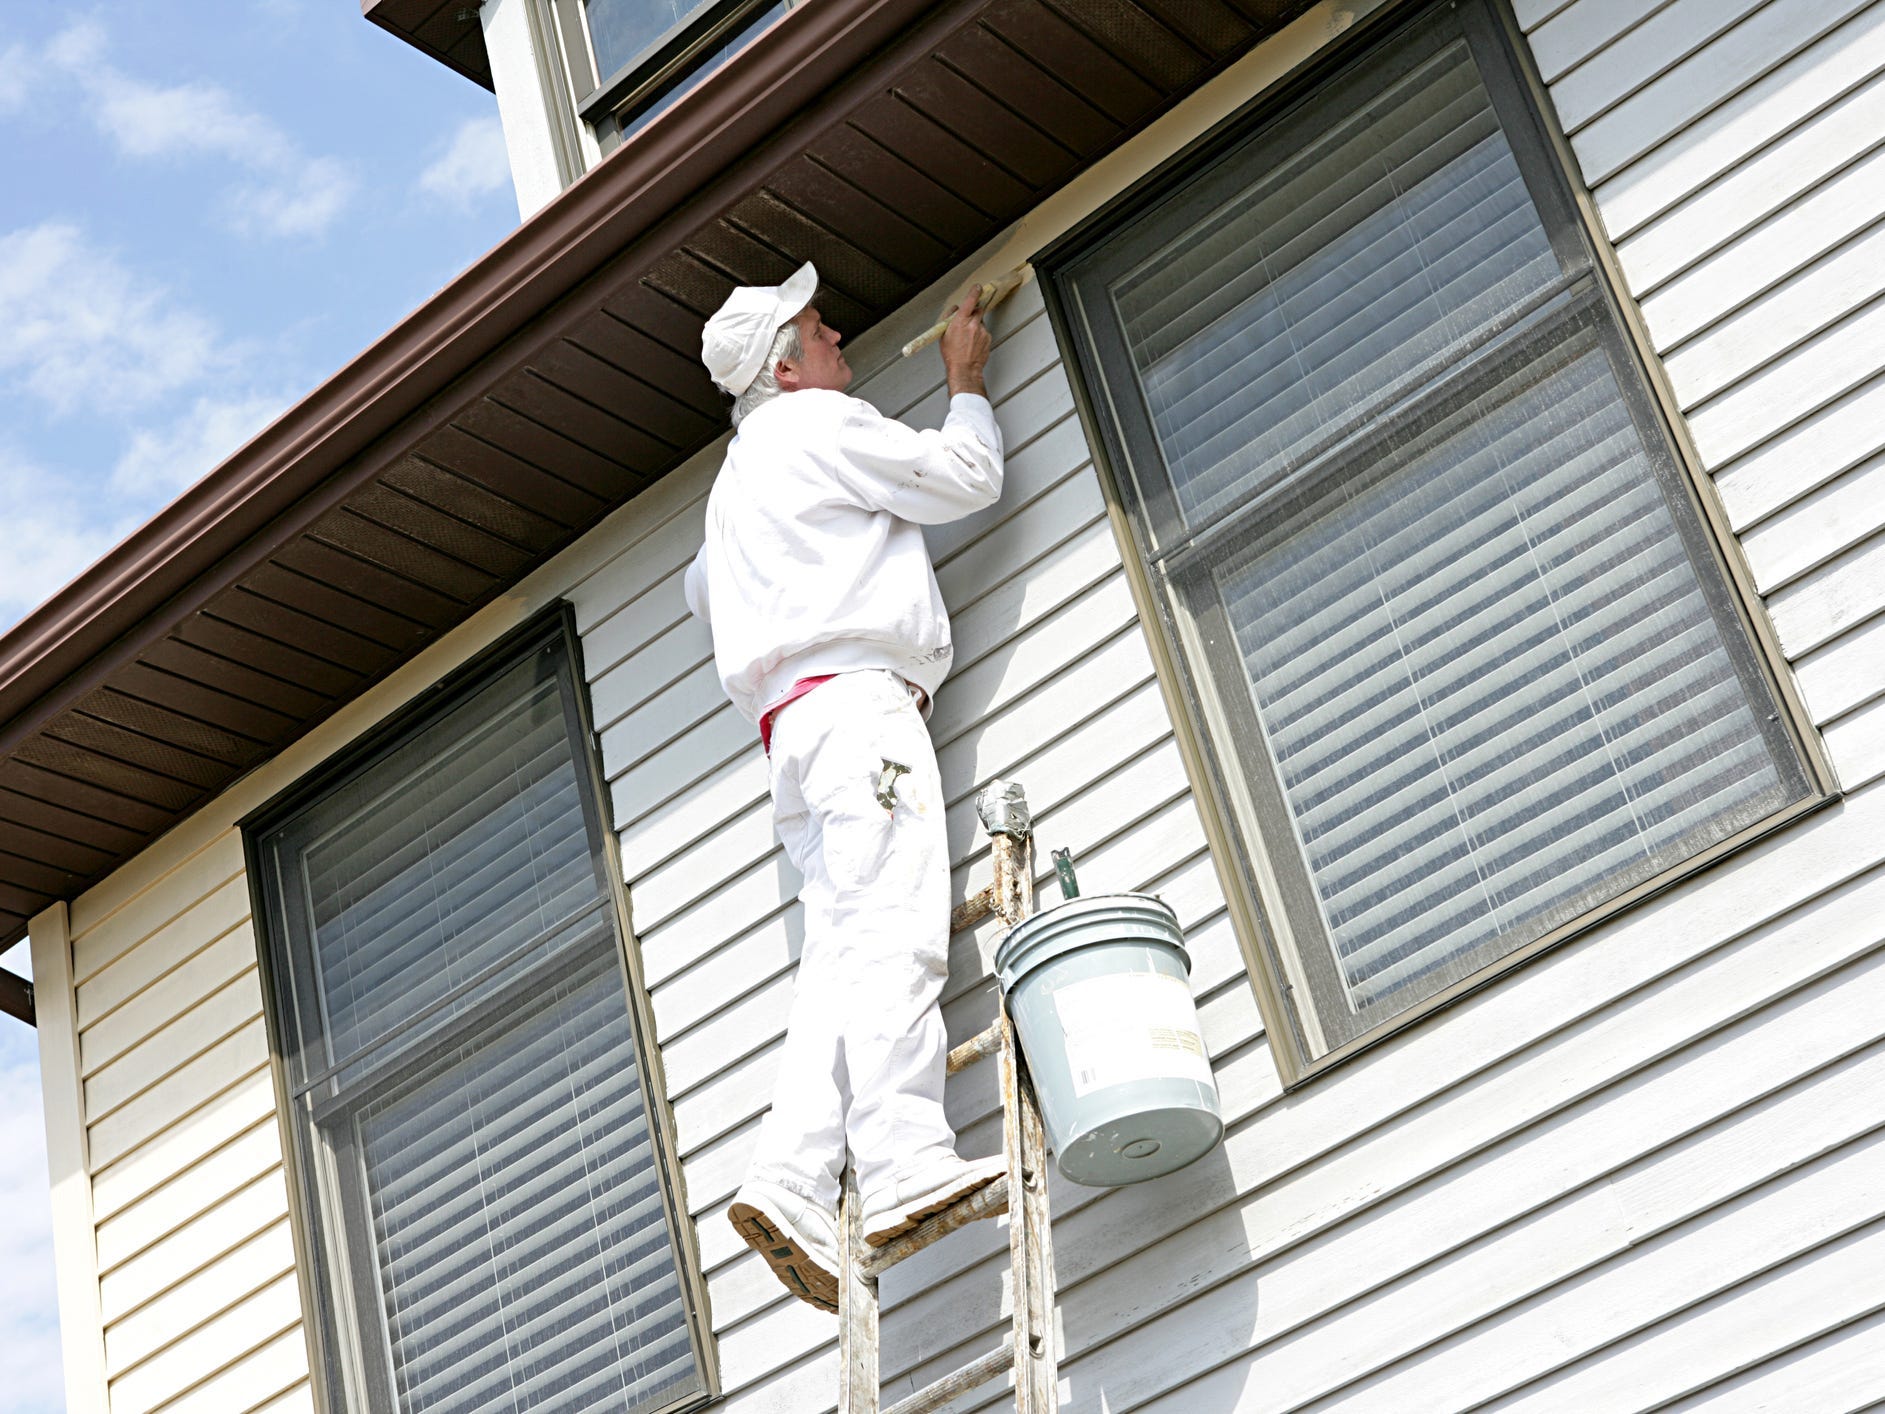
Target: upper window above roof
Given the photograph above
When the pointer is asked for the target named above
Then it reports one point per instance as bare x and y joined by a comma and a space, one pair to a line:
621, 30
644, 54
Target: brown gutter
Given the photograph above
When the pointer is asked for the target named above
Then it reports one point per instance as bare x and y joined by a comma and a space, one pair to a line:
400, 388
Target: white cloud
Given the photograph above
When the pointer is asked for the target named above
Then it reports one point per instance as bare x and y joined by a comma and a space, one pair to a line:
161, 461
291, 193
83, 331
87, 335
79, 45
59, 524
16, 77
53, 532
473, 165
147, 121
29, 1322
304, 203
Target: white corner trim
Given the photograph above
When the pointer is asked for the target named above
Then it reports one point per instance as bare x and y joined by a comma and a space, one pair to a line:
576, 145
74, 1231
531, 102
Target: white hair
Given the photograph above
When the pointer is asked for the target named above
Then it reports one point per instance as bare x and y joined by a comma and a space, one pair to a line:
765, 386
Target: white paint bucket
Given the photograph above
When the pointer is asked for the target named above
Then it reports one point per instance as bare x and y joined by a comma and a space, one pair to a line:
1098, 992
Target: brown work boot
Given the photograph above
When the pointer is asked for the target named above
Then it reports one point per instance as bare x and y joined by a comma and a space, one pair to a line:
798, 1239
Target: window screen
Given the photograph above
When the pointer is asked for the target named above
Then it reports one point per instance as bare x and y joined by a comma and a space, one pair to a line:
621, 31
1467, 658
650, 53
492, 1221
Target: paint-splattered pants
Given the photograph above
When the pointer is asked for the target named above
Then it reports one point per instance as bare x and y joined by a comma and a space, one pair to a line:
865, 1047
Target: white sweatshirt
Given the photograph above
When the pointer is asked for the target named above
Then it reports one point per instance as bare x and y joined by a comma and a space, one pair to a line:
814, 560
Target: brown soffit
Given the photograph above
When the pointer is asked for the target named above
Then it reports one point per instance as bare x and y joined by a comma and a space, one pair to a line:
548, 384
448, 30
16, 997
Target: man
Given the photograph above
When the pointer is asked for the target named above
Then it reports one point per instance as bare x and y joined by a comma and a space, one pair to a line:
830, 636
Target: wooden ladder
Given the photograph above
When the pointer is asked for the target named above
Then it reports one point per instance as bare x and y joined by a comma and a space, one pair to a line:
1028, 1349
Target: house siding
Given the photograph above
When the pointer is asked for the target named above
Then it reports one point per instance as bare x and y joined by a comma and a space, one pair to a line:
195, 1264
1647, 1167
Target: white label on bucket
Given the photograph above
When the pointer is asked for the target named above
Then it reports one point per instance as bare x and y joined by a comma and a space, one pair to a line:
1130, 1026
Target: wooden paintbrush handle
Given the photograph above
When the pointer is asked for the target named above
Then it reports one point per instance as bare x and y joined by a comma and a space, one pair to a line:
988, 294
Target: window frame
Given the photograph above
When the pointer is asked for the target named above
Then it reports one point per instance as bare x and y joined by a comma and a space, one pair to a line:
1261, 903
609, 104
330, 1326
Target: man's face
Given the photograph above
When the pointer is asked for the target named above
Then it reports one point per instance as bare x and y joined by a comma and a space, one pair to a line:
820, 365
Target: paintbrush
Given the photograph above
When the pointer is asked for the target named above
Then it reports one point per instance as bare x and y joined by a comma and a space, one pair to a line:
988, 294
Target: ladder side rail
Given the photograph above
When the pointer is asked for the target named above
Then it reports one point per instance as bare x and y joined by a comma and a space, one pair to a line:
1024, 1141
1036, 1366
1029, 1347
857, 1308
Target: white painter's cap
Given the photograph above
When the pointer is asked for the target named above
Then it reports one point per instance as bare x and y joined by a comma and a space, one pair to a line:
735, 342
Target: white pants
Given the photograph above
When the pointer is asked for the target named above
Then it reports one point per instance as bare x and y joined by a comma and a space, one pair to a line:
864, 1046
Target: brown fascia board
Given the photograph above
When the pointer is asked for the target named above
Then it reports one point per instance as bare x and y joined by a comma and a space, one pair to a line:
623, 216
407, 19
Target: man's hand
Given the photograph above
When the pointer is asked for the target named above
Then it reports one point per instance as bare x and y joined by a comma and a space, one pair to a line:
965, 346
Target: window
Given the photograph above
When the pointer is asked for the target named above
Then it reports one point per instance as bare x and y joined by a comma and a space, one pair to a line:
631, 59
1467, 666
483, 1185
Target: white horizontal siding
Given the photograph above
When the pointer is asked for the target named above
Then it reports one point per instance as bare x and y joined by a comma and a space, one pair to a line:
195, 1262
1644, 1169
1053, 685
1459, 1139
1839, 1370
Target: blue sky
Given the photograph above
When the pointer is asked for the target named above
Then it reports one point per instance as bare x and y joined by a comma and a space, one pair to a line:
207, 207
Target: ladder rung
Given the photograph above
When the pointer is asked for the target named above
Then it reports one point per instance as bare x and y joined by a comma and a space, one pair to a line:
970, 1376
983, 1203
972, 910
983, 1043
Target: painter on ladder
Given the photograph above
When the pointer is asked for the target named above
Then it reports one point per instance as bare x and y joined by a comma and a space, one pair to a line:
830, 635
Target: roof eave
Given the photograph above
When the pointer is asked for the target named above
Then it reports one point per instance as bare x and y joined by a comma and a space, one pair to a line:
296, 468
419, 21
548, 385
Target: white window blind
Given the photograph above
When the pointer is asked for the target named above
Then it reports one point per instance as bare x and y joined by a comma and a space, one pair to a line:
1491, 686
470, 1091
1470, 664
1349, 272
465, 846
521, 1265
